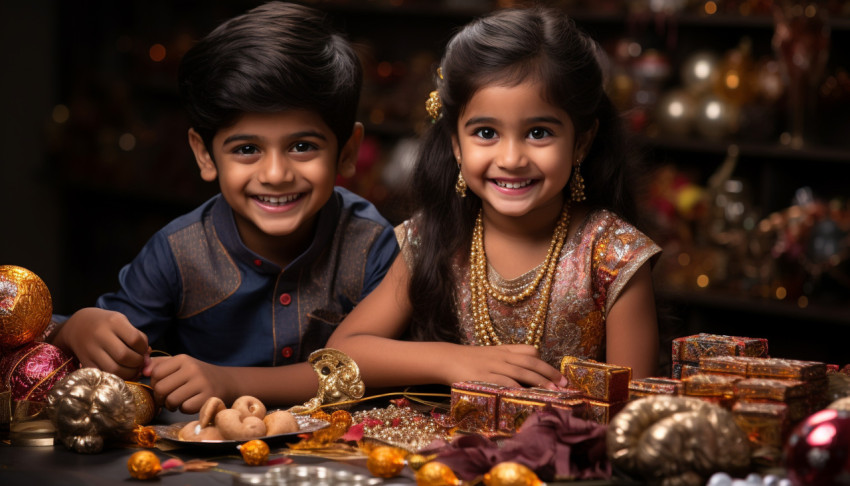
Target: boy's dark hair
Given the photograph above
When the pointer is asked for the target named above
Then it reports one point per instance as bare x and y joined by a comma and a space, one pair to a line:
507, 47
278, 56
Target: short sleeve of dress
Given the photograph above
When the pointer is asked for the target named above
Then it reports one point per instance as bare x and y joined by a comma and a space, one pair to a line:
619, 251
408, 242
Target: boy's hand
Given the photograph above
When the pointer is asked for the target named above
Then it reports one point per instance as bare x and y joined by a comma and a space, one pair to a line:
106, 340
508, 365
186, 383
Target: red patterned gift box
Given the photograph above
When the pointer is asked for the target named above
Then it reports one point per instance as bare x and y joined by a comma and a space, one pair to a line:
599, 381
475, 405
689, 349
516, 405
684, 370
643, 387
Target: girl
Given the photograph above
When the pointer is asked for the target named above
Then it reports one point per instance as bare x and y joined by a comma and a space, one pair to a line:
521, 245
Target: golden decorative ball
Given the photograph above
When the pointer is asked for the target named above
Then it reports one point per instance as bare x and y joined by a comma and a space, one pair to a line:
436, 474
511, 474
143, 465
25, 306
146, 408
321, 415
341, 417
255, 452
385, 462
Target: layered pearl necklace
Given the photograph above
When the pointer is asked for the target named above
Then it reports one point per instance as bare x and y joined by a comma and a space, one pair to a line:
480, 286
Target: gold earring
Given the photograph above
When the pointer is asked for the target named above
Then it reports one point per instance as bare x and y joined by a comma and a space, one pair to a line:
460, 185
577, 184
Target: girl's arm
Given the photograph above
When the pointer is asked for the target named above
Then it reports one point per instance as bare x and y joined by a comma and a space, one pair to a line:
632, 326
370, 333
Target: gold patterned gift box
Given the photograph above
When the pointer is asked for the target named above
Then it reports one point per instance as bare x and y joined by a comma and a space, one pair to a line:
598, 381
787, 369
602, 412
516, 405
689, 349
475, 405
766, 424
718, 389
643, 387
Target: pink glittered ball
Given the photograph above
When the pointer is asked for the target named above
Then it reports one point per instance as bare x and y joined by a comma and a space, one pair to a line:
818, 450
31, 370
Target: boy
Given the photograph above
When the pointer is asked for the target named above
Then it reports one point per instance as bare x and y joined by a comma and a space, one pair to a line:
242, 289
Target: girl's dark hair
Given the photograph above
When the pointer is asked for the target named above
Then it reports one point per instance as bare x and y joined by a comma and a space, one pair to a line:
275, 57
506, 48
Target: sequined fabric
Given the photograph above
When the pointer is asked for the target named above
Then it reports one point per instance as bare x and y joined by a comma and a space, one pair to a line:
595, 265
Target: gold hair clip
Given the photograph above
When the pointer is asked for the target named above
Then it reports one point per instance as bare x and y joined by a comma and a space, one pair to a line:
433, 105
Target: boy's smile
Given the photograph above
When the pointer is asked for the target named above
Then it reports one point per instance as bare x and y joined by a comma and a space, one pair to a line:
276, 171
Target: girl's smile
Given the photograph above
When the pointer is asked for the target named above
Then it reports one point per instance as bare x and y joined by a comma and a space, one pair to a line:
515, 150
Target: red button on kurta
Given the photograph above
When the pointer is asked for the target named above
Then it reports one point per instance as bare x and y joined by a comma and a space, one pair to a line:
285, 299
258, 262
286, 352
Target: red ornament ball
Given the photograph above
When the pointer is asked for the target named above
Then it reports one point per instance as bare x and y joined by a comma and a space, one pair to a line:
31, 370
818, 450
25, 307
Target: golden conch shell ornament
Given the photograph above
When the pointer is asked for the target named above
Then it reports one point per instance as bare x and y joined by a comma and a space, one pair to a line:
676, 441
89, 407
339, 380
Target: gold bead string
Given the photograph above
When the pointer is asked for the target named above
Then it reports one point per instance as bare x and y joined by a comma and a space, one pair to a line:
480, 286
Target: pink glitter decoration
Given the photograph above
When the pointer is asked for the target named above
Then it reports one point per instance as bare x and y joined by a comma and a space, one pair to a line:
31, 370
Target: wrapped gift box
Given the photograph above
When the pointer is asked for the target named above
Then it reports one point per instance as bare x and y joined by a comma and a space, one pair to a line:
766, 424
642, 387
770, 389
684, 370
599, 381
475, 405
517, 404
787, 369
689, 349
602, 412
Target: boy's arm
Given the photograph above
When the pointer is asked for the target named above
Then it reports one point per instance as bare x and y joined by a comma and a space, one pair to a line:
185, 383
103, 339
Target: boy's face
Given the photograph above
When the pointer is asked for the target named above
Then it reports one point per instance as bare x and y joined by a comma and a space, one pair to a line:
276, 170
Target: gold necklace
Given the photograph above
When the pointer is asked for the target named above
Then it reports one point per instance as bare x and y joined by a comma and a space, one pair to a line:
480, 284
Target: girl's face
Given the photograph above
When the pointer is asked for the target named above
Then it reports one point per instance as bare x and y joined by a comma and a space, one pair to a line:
516, 150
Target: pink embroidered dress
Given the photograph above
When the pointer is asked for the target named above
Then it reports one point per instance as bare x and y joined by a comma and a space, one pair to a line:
594, 267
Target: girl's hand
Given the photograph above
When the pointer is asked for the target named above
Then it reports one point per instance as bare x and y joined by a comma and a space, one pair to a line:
186, 383
106, 340
508, 365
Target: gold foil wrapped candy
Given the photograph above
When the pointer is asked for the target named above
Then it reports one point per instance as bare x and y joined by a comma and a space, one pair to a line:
675, 441
90, 406
143, 465
255, 452
386, 462
25, 307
